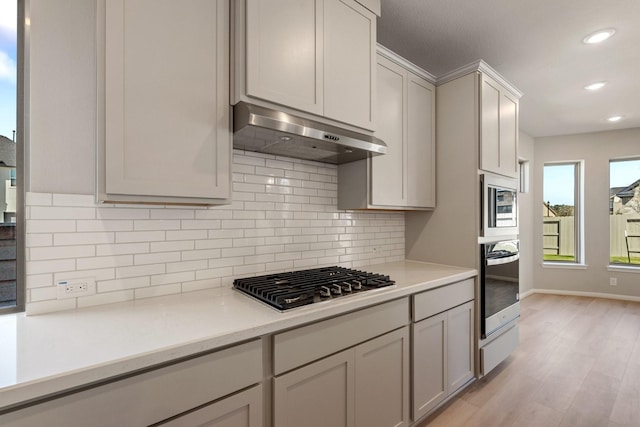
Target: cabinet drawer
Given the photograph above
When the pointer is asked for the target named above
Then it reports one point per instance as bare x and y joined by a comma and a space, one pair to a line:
441, 299
499, 349
308, 343
152, 396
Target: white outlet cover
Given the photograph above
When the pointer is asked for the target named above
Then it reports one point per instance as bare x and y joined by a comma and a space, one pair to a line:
63, 284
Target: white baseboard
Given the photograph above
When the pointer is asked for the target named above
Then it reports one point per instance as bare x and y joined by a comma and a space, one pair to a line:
579, 294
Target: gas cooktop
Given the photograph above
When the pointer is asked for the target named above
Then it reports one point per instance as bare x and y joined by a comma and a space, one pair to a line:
284, 291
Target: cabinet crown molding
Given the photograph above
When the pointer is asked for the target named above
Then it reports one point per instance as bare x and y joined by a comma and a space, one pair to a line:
482, 67
392, 56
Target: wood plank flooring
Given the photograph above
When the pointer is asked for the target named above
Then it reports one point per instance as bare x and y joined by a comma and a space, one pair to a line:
578, 365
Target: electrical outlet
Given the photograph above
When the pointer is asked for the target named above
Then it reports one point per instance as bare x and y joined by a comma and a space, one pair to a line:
613, 281
73, 288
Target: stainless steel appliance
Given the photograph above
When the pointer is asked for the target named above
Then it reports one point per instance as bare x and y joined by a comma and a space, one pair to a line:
499, 285
264, 130
284, 291
499, 206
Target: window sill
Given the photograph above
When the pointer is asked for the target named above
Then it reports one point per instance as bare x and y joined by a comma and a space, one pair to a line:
624, 268
567, 265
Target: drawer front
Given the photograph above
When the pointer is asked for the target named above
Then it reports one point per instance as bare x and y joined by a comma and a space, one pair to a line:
499, 349
152, 396
308, 343
430, 303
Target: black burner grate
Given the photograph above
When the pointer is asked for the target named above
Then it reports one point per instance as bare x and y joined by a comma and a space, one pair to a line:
297, 288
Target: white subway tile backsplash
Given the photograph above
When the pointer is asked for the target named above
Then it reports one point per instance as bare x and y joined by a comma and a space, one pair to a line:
172, 278
139, 270
139, 236
37, 240
200, 224
97, 274
51, 266
156, 257
198, 285
104, 225
104, 262
123, 284
74, 200
55, 212
50, 226
39, 280
172, 246
200, 254
156, 224
214, 273
176, 267
67, 239
122, 249
156, 291
122, 213
38, 199
60, 252
173, 213
283, 216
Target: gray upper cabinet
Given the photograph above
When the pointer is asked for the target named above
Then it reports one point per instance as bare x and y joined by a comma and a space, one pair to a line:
164, 114
404, 178
315, 57
498, 128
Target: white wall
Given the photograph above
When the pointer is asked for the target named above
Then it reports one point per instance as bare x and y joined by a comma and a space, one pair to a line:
596, 149
527, 217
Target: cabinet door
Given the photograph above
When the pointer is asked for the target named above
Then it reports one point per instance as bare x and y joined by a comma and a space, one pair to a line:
460, 360
508, 134
382, 381
387, 172
349, 62
489, 124
498, 128
318, 395
429, 364
240, 410
166, 92
420, 153
284, 52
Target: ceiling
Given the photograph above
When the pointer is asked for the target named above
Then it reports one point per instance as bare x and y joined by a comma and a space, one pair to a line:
537, 46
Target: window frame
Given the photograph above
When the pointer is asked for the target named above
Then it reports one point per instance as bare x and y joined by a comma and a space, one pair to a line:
578, 215
22, 130
619, 266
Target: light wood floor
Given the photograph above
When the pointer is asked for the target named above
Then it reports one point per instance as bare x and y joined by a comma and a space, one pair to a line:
578, 364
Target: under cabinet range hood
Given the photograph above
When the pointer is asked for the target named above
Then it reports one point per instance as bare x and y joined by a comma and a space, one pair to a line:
264, 130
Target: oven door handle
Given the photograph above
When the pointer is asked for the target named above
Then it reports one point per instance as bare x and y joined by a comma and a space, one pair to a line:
503, 260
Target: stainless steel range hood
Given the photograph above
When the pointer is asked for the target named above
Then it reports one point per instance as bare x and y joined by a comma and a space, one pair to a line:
269, 131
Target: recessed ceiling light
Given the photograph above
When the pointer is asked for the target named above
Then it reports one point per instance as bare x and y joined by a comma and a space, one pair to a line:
599, 36
614, 119
595, 86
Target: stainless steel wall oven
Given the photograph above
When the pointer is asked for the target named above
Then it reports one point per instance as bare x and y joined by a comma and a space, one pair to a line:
499, 285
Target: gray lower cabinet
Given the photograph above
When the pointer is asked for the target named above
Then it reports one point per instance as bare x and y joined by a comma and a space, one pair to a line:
162, 394
442, 345
243, 409
367, 386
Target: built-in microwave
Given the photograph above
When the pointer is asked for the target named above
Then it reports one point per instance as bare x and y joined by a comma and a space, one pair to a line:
499, 206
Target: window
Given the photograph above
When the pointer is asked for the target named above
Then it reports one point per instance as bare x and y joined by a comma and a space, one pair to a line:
561, 213
11, 200
624, 212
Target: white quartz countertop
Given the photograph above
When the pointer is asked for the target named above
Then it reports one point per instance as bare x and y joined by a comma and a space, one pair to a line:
46, 354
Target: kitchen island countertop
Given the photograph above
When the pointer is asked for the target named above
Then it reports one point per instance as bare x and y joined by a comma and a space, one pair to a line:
47, 354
